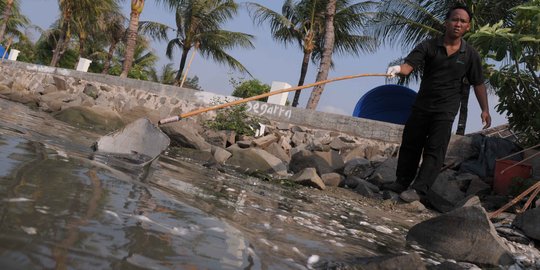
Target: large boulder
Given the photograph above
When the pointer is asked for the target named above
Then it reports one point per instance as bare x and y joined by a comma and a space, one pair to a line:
256, 159
140, 137
94, 118
323, 162
464, 234
184, 134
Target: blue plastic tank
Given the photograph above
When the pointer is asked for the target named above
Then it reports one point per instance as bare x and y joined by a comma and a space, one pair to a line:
390, 103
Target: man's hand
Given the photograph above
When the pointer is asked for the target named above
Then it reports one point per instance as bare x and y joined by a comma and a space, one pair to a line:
486, 119
393, 71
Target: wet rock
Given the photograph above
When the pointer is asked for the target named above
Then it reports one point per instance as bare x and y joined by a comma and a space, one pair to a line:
309, 177
140, 137
95, 118
184, 134
465, 234
528, 222
471, 200
411, 261
256, 159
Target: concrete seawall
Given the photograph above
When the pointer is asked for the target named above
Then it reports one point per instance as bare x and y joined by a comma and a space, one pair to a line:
124, 94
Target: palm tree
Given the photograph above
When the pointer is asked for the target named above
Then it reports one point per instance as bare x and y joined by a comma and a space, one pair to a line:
326, 60
144, 60
115, 33
77, 15
405, 23
199, 27
137, 7
8, 8
168, 75
303, 23
12, 21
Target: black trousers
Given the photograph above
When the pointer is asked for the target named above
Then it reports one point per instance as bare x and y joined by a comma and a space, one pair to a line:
426, 135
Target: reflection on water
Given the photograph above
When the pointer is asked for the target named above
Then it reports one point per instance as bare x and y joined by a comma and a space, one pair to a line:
62, 207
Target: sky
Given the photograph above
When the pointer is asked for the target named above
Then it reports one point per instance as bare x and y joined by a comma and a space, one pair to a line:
271, 61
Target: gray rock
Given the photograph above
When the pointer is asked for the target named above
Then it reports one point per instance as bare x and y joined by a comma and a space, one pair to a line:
256, 159
528, 222
140, 137
465, 234
91, 91
363, 189
323, 162
309, 177
265, 141
332, 179
411, 261
185, 135
279, 152
95, 118
220, 155
385, 172
444, 195
360, 167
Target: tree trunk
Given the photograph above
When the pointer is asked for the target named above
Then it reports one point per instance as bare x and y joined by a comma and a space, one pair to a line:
326, 59
60, 46
303, 72
110, 54
178, 78
136, 10
463, 109
7, 14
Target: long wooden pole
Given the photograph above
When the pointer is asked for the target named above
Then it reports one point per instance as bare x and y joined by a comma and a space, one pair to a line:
236, 102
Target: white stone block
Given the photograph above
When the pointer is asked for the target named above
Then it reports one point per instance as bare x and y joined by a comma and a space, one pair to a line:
280, 99
83, 64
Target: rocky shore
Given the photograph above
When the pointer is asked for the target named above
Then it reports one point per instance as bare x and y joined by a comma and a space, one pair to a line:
459, 228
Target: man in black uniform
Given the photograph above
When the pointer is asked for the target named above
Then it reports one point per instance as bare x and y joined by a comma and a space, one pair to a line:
446, 62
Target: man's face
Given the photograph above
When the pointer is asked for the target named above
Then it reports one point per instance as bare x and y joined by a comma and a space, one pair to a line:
458, 23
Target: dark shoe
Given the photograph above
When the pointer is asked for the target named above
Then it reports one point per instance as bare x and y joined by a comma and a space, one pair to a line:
395, 187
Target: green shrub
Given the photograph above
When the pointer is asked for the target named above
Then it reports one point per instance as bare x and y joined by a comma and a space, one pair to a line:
234, 118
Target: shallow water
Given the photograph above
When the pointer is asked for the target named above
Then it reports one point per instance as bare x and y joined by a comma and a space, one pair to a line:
63, 207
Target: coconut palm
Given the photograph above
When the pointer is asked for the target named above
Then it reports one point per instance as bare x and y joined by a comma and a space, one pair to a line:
199, 27
144, 60
8, 9
326, 60
303, 23
405, 23
137, 7
114, 33
168, 75
12, 21
77, 15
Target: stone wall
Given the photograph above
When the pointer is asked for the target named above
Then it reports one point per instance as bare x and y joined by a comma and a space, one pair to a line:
124, 94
